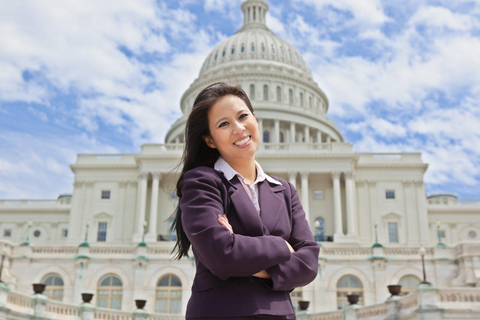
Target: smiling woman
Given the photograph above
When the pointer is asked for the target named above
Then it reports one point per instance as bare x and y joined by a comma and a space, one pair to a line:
250, 239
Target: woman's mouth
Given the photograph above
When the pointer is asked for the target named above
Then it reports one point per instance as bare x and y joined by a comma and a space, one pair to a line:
243, 142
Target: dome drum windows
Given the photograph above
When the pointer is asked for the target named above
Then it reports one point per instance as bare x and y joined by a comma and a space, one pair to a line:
279, 94
252, 92
242, 50
253, 47
301, 99
223, 53
233, 50
265, 93
290, 96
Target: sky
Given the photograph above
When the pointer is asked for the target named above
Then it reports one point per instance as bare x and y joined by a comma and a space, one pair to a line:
107, 76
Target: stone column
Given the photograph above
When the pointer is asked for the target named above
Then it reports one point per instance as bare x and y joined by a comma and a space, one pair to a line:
329, 139
307, 134
118, 234
87, 213
141, 205
75, 219
422, 213
276, 134
413, 236
372, 186
260, 129
292, 177
292, 132
319, 136
152, 225
351, 212
337, 205
305, 194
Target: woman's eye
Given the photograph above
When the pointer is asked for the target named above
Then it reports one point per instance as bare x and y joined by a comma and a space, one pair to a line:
223, 124
244, 115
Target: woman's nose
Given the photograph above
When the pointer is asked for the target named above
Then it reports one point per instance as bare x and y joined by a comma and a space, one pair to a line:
238, 128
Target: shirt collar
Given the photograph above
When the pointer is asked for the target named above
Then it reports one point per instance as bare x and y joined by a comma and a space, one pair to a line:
230, 173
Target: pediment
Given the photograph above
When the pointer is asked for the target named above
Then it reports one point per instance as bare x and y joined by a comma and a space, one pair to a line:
392, 215
103, 215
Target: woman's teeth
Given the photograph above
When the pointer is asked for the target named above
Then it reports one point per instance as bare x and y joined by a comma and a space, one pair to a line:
242, 142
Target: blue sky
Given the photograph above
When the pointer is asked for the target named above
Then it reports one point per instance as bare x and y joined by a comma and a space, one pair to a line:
107, 76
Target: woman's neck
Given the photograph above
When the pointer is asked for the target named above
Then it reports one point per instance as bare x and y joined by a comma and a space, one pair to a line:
248, 169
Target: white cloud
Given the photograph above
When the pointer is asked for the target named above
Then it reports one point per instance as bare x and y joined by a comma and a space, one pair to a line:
443, 17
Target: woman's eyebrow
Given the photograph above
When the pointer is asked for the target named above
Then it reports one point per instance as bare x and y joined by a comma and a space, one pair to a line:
225, 118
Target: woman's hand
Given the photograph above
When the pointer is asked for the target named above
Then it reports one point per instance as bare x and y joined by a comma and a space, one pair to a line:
223, 220
289, 246
262, 274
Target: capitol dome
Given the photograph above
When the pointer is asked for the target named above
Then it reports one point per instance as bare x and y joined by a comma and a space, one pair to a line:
289, 105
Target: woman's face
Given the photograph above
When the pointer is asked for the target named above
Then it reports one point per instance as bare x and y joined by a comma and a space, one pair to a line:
233, 129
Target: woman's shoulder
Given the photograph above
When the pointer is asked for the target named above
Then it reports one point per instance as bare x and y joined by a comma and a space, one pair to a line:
202, 172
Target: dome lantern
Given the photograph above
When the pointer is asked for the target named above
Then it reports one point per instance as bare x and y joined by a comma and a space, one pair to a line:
254, 14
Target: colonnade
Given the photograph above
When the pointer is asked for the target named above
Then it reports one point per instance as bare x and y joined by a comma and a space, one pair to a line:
307, 137
350, 197
151, 236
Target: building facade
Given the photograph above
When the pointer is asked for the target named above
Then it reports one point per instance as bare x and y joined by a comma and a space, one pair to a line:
368, 211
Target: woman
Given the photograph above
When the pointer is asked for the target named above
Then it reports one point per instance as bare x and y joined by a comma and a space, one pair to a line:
250, 239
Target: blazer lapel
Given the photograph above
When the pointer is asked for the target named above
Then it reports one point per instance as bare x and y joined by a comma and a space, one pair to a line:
270, 204
246, 211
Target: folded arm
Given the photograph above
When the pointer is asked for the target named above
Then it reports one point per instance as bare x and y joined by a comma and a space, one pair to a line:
224, 254
302, 267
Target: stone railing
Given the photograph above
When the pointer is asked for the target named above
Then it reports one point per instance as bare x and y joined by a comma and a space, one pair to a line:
19, 301
62, 309
112, 250
404, 251
54, 250
372, 312
452, 297
336, 315
345, 251
108, 314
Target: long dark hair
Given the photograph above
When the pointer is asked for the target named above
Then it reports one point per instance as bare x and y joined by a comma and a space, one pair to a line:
196, 152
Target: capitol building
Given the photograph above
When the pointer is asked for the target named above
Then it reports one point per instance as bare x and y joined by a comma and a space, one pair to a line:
368, 211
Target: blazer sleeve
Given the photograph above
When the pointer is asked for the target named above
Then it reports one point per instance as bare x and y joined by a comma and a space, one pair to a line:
302, 268
225, 255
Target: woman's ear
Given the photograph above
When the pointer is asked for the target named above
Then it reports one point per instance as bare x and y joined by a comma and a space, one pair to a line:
209, 141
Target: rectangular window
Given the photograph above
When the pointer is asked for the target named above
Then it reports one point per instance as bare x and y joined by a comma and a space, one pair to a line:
64, 233
102, 232
7, 233
393, 232
105, 194
390, 194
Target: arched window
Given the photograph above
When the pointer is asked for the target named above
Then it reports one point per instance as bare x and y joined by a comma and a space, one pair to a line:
279, 94
263, 47
169, 295
319, 229
266, 136
301, 99
296, 295
409, 284
243, 49
253, 47
281, 139
348, 285
310, 102
223, 53
290, 96
265, 92
109, 292
233, 49
252, 92
54, 289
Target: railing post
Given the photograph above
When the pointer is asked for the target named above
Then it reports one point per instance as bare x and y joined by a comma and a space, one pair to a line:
4, 289
140, 314
350, 312
40, 302
428, 297
87, 311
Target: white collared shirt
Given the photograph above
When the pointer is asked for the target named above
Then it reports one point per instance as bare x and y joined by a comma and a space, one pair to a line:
251, 189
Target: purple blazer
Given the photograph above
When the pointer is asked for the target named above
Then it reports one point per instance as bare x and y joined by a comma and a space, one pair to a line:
223, 285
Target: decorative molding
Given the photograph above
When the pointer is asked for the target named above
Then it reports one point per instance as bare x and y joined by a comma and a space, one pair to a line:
143, 175
335, 175
348, 175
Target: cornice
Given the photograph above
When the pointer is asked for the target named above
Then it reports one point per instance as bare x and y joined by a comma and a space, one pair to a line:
101, 166
392, 165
